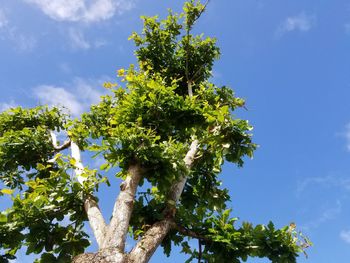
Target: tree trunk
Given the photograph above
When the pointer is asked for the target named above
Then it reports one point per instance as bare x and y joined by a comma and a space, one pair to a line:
117, 230
103, 256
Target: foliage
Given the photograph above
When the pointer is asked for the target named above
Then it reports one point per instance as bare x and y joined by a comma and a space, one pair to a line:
47, 212
164, 103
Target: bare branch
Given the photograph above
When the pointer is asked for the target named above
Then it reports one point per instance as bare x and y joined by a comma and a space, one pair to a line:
96, 219
53, 139
145, 248
199, 251
177, 188
64, 146
123, 207
154, 236
203, 9
79, 168
190, 90
92, 210
190, 233
55, 145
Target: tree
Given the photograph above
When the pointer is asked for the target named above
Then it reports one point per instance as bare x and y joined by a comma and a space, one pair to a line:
166, 132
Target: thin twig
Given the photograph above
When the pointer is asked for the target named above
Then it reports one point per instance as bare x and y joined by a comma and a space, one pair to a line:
199, 251
57, 147
64, 146
189, 27
190, 233
204, 7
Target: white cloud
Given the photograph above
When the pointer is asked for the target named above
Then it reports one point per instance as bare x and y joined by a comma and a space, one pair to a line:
335, 189
59, 96
345, 236
20, 42
65, 68
76, 100
301, 22
3, 19
325, 181
100, 43
87, 90
78, 39
82, 10
331, 212
328, 214
7, 105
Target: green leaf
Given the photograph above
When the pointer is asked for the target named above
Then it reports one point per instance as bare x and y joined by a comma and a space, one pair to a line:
7, 191
72, 161
105, 166
3, 218
40, 167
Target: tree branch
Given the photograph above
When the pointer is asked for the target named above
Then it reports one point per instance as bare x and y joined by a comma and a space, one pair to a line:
151, 240
123, 207
92, 210
203, 9
187, 232
55, 145
96, 220
79, 167
177, 188
154, 236
190, 81
199, 251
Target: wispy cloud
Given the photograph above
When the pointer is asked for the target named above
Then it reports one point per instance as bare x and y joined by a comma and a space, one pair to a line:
7, 105
54, 95
301, 22
77, 100
326, 181
335, 189
3, 19
79, 41
329, 213
82, 10
65, 68
21, 42
345, 236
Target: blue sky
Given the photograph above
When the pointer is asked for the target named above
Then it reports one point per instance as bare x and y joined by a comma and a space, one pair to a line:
288, 59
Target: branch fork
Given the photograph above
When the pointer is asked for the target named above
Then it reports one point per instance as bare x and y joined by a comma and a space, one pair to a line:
112, 237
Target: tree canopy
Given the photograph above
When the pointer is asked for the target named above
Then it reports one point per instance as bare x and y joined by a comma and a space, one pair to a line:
166, 131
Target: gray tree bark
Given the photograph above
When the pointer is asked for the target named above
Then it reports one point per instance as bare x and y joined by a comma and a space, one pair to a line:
103, 256
112, 248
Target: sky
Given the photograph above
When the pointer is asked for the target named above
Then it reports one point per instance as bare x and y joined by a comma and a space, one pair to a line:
289, 60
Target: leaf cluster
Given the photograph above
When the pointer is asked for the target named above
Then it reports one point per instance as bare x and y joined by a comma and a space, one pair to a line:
25, 140
166, 47
47, 216
47, 208
161, 106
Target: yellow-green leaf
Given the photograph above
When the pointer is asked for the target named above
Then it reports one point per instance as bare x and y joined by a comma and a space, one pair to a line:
7, 191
